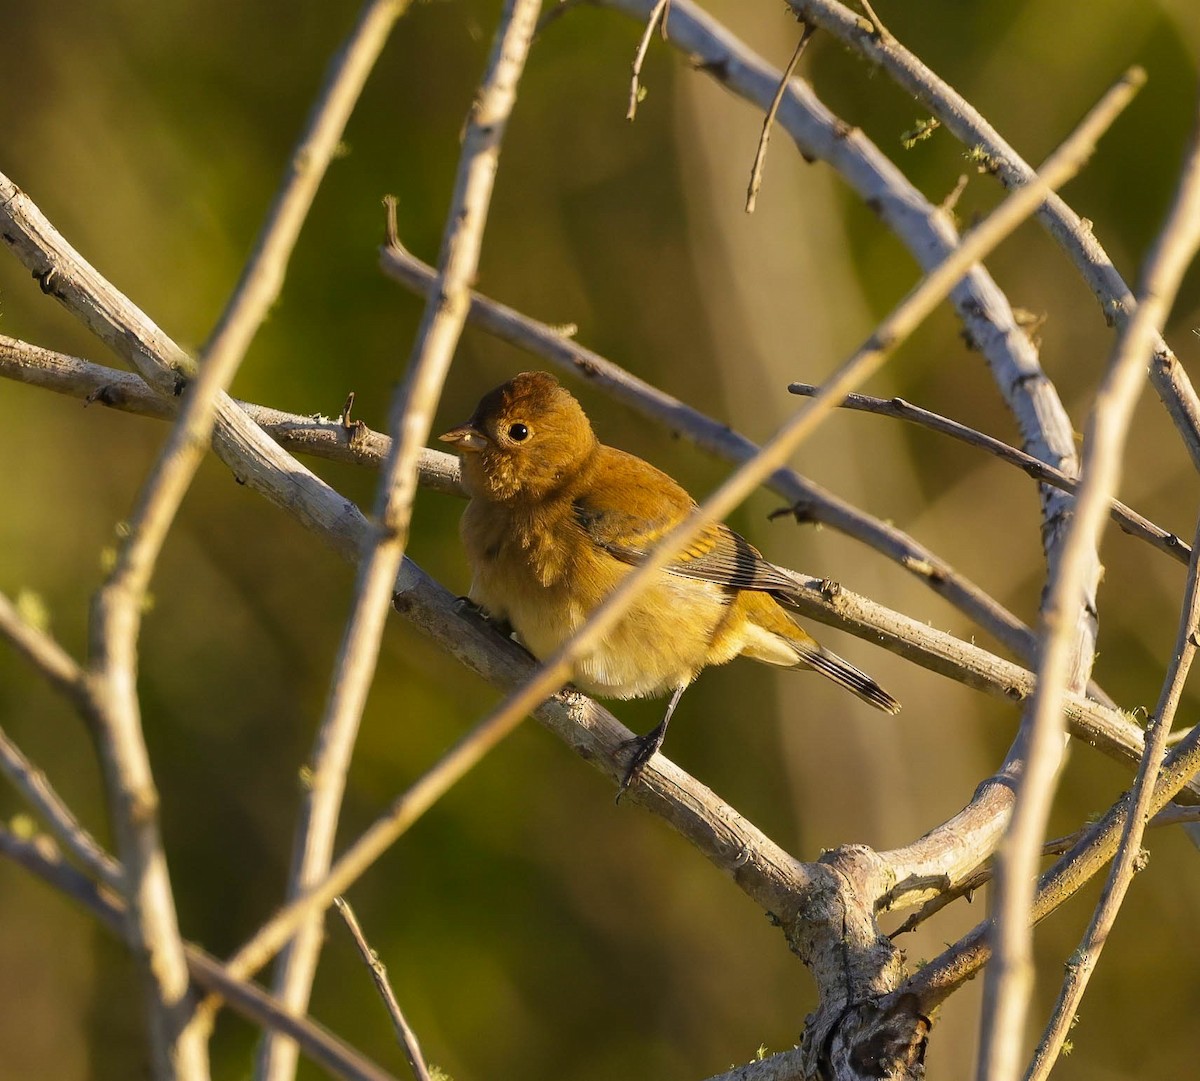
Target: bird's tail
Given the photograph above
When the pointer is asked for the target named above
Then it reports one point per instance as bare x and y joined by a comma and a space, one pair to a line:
830, 665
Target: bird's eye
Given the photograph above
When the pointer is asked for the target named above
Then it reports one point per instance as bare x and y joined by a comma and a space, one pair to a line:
518, 433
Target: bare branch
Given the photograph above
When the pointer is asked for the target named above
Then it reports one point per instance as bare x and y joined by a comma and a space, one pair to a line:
53, 663
39, 856
658, 17
319, 436
33, 784
961, 962
1174, 251
409, 423
1129, 520
404, 1033
1171, 815
1009, 977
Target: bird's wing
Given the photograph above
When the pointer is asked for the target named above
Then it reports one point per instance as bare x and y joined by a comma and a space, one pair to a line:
631, 506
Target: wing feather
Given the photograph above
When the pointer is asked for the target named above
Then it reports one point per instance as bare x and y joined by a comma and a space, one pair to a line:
635, 505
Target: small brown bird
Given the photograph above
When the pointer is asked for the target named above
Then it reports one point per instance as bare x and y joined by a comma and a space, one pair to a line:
557, 519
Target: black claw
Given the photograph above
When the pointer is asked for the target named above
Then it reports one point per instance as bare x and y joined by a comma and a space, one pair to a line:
646, 747
643, 748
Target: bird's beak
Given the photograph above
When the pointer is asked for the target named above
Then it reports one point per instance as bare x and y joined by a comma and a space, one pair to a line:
465, 437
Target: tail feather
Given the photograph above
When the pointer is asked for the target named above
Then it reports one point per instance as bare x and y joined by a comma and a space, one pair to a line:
830, 665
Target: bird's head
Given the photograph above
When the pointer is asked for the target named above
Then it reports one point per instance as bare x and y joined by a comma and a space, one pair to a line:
524, 440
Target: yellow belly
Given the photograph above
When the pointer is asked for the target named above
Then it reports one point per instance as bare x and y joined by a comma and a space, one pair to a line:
660, 644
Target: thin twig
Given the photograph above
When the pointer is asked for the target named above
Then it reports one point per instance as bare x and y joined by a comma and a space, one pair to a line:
404, 1033
1129, 520
658, 16
760, 155
410, 419
322, 437
1173, 253
880, 29
33, 784
53, 663
39, 856
1009, 977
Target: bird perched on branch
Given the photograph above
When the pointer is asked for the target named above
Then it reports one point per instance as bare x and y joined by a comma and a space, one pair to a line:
557, 519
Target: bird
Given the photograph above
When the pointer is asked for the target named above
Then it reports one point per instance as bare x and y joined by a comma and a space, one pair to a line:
556, 519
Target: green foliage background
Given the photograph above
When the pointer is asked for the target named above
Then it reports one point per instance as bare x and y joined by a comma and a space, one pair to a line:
532, 929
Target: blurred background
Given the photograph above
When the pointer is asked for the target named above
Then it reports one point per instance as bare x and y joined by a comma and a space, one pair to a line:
532, 929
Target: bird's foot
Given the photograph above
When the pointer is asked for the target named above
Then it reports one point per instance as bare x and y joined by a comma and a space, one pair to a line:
642, 749
468, 609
